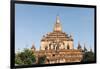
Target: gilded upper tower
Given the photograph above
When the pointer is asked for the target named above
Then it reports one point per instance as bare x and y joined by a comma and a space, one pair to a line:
57, 26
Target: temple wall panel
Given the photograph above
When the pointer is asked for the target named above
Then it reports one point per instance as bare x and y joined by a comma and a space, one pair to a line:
66, 42
70, 44
43, 45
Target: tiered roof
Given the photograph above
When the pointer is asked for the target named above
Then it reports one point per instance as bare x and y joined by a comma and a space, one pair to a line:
57, 33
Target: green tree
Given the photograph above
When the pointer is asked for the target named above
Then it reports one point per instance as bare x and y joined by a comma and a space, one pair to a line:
88, 56
17, 59
41, 60
25, 57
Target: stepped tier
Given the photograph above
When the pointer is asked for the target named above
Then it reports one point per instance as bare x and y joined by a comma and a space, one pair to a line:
57, 35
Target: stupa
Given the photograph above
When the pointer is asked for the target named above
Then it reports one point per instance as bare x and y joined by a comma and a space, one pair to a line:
58, 47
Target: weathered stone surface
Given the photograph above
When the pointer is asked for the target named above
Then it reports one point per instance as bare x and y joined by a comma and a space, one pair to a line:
58, 47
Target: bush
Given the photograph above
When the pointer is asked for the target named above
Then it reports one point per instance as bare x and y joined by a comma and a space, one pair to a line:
25, 57
88, 57
41, 60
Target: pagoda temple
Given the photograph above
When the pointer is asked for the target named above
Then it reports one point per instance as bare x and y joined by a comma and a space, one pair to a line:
58, 47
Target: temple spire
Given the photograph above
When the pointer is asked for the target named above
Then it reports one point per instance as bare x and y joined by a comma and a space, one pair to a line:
33, 47
57, 19
57, 26
90, 49
85, 49
79, 46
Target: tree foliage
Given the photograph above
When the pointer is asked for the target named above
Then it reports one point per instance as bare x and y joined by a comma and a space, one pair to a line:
88, 56
25, 57
41, 60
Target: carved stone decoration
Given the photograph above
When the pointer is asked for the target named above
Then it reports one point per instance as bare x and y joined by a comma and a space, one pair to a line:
58, 46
